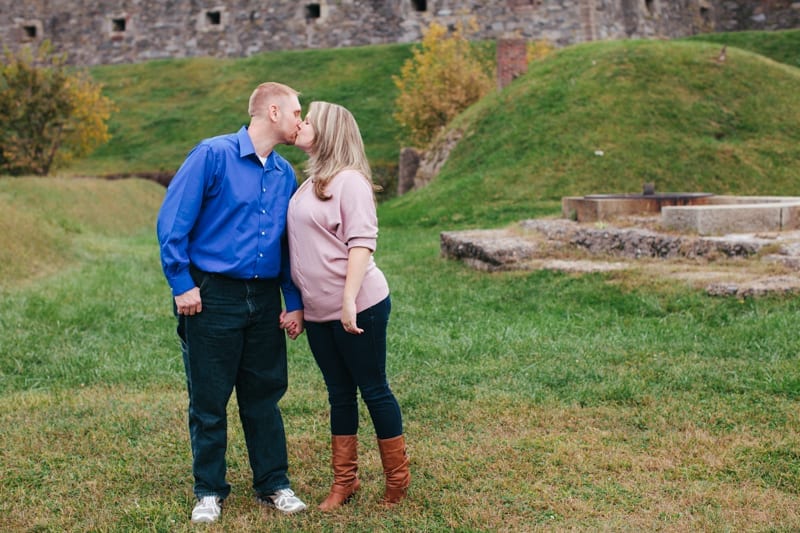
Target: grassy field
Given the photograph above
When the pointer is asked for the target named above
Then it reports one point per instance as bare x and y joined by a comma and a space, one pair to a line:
165, 107
533, 401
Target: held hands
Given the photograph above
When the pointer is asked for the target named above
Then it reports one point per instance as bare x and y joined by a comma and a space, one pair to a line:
189, 304
349, 318
292, 322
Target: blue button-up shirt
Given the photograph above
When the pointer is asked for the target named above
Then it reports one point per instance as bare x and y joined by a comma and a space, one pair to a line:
225, 212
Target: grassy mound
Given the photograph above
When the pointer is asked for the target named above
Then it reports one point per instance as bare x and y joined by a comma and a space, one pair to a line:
166, 107
608, 117
659, 111
41, 219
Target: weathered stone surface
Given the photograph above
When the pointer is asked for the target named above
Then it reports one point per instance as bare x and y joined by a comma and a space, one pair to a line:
734, 218
106, 32
638, 243
487, 249
758, 287
558, 244
432, 160
407, 169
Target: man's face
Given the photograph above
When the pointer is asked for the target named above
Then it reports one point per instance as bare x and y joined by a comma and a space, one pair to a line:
289, 118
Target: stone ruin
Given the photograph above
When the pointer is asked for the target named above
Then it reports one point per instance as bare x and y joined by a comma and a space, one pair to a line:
95, 32
727, 245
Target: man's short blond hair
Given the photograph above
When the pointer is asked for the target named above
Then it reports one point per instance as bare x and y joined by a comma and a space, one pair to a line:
266, 93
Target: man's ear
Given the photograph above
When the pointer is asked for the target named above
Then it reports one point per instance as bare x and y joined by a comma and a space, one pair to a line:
273, 112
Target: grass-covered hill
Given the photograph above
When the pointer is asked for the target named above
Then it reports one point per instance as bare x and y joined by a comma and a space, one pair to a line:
659, 111
46, 224
608, 117
166, 107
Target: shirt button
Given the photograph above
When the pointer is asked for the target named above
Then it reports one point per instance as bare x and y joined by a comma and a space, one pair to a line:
263, 233
263, 190
263, 210
256, 276
260, 255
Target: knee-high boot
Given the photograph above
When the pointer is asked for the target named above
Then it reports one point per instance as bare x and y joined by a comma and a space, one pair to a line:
344, 459
395, 468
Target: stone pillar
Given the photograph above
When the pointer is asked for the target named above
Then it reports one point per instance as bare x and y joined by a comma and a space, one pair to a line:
407, 170
589, 22
512, 60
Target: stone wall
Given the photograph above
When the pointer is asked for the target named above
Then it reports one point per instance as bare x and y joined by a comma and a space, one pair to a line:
757, 15
106, 32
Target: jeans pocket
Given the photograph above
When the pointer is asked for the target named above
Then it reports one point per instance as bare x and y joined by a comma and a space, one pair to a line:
201, 278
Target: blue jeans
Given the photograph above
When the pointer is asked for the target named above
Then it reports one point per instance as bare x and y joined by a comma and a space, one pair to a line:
235, 342
349, 362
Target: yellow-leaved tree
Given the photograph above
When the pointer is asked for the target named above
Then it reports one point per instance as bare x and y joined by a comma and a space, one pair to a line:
49, 113
445, 75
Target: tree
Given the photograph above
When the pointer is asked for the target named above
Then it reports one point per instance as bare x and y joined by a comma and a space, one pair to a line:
445, 75
49, 114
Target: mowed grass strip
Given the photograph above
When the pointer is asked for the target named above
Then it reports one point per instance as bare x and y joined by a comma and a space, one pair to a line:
567, 402
116, 458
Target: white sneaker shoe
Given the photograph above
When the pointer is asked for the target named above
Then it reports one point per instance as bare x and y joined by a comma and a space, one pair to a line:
207, 510
283, 500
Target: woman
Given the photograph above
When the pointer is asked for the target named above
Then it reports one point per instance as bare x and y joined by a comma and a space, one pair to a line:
333, 229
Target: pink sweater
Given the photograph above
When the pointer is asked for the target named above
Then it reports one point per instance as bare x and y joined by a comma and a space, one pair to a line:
320, 235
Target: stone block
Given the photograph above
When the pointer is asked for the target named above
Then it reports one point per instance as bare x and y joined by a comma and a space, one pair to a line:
732, 218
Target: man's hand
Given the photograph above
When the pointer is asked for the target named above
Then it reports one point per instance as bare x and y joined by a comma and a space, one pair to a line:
189, 302
292, 322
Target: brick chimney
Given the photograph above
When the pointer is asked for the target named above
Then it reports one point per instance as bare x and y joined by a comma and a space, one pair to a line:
512, 60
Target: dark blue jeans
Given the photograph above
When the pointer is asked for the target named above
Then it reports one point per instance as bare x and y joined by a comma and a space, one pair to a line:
350, 362
235, 342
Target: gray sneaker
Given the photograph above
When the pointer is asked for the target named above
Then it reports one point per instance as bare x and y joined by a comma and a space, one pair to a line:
207, 510
283, 500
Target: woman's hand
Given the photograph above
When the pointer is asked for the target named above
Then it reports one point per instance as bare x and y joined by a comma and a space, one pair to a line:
349, 318
292, 322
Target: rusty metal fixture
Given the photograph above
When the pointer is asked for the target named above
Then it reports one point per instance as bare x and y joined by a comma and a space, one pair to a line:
594, 207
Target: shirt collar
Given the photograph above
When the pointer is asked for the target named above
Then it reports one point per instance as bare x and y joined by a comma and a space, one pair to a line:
247, 149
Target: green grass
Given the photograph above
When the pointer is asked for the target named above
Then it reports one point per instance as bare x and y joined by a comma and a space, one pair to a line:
533, 401
660, 112
166, 107
782, 46
568, 401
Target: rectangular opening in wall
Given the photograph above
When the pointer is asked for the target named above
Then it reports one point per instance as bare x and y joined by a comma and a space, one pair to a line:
118, 25
524, 5
420, 5
30, 32
213, 18
313, 11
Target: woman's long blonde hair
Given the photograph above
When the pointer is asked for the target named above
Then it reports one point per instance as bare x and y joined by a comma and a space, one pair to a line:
337, 146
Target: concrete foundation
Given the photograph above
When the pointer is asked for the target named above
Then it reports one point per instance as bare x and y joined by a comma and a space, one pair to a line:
593, 208
733, 218
698, 213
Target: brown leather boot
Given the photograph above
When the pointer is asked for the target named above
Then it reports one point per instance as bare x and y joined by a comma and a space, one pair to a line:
395, 468
344, 459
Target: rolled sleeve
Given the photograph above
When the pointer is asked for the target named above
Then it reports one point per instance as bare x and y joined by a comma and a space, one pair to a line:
359, 216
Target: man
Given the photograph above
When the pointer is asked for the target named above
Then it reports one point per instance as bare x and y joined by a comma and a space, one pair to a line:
222, 234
